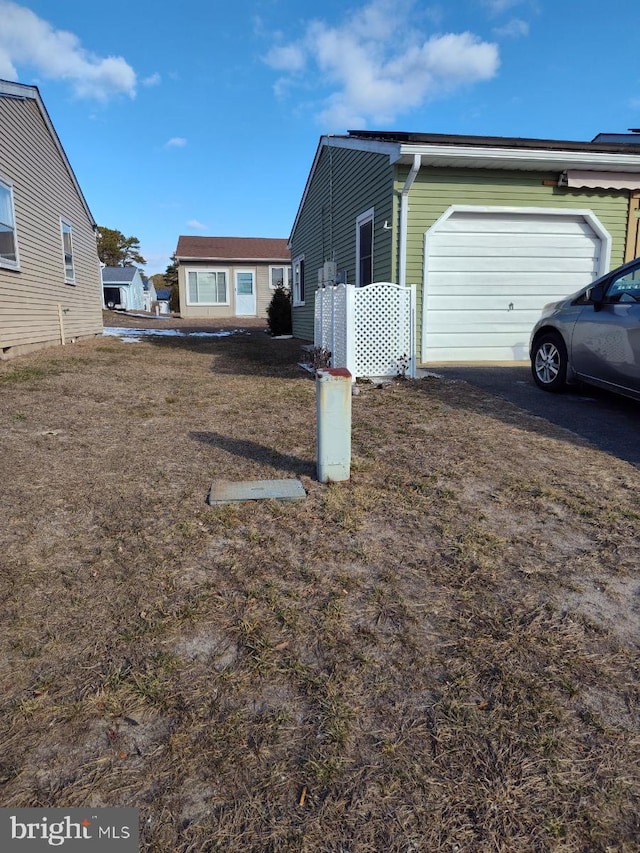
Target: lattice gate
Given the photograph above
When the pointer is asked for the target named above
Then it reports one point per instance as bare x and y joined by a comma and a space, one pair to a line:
369, 330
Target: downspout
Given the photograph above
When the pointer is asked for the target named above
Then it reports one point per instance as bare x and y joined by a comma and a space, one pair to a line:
404, 218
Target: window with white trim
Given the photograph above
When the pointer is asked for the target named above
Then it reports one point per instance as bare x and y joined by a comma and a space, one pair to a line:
8, 237
280, 277
207, 287
298, 280
67, 251
364, 248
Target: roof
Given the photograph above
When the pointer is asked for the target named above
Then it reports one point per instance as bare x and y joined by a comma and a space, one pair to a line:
118, 275
8, 89
603, 143
233, 249
632, 138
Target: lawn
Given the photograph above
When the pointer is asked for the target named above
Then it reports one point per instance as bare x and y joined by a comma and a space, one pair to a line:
439, 655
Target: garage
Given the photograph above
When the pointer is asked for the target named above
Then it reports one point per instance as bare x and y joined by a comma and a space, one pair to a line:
489, 272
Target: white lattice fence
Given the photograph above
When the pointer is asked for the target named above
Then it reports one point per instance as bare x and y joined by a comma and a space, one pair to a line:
383, 329
330, 327
369, 330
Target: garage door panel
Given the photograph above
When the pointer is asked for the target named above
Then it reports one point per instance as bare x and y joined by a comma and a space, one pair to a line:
488, 302
569, 244
507, 224
470, 323
497, 251
495, 264
493, 352
480, 348
488, 282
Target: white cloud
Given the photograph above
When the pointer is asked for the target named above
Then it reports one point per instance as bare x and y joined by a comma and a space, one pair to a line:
373, 79
176, 142
497, 7
27, 40
151, 80
196, 226
289, 57
514, 29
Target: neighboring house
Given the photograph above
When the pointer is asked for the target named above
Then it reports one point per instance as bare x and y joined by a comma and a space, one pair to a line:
123, 288
487, 229
230, 276
50, 290
150, 296
163, 296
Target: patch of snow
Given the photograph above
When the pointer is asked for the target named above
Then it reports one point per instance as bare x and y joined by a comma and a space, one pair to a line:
133, 336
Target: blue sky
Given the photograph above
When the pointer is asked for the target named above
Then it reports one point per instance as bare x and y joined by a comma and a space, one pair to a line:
204, 117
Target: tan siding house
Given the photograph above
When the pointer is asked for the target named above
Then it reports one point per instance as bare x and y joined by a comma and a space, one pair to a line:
230, 276
50, 286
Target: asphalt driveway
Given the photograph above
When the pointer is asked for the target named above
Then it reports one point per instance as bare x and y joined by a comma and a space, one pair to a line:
609, 422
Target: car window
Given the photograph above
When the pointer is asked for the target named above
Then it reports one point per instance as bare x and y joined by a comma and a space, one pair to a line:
625, 288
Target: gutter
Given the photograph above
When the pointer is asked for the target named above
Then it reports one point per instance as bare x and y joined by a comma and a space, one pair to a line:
540, 159
404, 218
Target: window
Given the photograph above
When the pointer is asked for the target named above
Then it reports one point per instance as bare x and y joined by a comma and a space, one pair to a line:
364, 248
207, 287
67, 252
8, 238
280, 277
626, 287
298, 280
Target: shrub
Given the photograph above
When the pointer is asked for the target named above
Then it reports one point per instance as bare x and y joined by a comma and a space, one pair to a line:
279, 312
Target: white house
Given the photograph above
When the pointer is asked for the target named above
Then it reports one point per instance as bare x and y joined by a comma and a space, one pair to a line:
123, 288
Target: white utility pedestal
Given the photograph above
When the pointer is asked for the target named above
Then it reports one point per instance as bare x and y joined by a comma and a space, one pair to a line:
333, 416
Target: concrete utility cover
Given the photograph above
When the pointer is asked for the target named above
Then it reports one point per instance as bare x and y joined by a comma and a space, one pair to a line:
224, 492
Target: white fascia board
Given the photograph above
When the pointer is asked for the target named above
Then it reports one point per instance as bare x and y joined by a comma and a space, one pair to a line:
17, 90
375, 146
517, 158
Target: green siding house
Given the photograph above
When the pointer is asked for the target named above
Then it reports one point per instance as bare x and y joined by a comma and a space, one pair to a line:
487, 229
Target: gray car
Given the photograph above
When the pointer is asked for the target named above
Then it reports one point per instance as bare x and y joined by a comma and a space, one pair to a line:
592, 336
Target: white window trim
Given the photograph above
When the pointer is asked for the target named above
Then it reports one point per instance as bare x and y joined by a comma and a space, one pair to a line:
284, 267
4, 262
362, 219
72, 278
296, 301
225, 270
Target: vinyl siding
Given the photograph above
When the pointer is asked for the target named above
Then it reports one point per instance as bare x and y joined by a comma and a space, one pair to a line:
43, 193
345, 184
435, 190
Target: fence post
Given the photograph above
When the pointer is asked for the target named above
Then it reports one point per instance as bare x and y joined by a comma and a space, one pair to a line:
350, 329
412, 331
317, 313
333, 327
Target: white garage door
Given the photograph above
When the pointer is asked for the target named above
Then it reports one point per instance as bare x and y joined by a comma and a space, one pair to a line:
488, 273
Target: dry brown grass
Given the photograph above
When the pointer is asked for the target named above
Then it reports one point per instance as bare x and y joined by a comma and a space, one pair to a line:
440, 655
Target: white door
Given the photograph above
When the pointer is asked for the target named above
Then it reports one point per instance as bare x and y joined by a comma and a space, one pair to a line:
489, 272
245, 293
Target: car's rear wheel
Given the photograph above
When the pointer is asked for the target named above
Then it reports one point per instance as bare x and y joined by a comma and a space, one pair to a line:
549, 362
